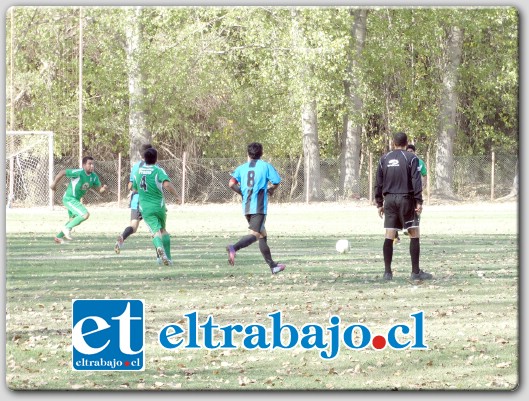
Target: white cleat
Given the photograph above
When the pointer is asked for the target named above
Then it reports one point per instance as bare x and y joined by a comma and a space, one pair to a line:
67, 233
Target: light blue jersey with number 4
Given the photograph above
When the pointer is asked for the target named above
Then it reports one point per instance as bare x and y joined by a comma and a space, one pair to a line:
253, 178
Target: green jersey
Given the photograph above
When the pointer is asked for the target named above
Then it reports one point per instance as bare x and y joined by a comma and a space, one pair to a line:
422, 167
80, 182
149, 184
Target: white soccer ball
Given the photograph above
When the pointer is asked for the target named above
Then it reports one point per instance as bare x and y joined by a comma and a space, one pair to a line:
343, 246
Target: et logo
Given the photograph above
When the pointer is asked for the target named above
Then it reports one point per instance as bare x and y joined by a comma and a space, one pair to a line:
108, 334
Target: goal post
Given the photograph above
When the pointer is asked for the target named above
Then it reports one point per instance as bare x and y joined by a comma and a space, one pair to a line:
29, 168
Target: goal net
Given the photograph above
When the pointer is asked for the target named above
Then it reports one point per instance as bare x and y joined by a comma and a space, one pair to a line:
29, 168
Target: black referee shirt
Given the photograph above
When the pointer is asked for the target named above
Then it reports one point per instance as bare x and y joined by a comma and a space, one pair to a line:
398, 172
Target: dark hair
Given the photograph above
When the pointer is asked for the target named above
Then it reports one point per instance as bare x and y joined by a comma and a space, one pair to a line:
400, 139
410, 146
150, 156
255, 150
144, 147
86, 158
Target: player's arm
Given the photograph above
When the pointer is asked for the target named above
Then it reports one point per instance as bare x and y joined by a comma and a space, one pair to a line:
272, 188
101, 188
416, 181
234, 185
379, 183
168, 185
58, 178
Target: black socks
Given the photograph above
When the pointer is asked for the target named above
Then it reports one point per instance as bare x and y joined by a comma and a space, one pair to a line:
415, 251
128, 231
388, 254
245, 241
265, 250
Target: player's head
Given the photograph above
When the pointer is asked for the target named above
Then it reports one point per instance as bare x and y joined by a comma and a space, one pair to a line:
400, 139
255, 150
150, 156
410, 148
143, 148
88, 164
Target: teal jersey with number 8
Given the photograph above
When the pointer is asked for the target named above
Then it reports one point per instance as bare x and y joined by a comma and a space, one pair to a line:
253, 178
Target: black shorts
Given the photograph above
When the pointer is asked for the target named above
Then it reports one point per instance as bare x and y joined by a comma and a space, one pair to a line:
256, 222
135, 214
399, 212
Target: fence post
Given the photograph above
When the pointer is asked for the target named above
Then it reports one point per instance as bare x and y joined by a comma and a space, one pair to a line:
184, 157
307, 200
370, 178
428, 177
492, 176
119, 179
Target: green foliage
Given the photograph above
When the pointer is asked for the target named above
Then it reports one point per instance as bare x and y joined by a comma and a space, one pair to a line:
218, 77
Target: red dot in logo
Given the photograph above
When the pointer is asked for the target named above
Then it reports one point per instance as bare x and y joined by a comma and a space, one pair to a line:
127, 363
378, 342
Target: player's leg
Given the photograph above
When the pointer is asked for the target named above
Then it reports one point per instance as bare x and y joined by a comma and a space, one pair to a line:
156, 223
259, 223
166, 237
80, 213
391, 225
244, 242
135, 217
153, 221
59, 238
412, 223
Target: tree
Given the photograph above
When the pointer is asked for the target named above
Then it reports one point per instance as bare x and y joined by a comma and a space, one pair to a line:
309, 119
448, 113
351, 138
138, 133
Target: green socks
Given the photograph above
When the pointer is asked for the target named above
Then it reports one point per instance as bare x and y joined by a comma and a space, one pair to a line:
166, 240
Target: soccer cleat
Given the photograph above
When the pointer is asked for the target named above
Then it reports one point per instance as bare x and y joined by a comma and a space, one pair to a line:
388, 276
66, 231
421, 276
163, 257
231, 254
58, 240
396, 240
279, 268
119, 244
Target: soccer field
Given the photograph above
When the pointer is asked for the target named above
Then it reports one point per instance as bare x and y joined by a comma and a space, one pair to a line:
470, 308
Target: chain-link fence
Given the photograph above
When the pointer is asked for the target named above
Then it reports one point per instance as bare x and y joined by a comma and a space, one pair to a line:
476, 178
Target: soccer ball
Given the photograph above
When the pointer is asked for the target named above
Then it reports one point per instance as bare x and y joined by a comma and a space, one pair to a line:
342, 246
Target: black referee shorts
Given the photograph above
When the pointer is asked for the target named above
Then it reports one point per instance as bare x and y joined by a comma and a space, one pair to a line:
256, 222
399, 212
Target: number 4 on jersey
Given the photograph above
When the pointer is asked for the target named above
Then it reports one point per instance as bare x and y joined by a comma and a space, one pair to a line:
143, 183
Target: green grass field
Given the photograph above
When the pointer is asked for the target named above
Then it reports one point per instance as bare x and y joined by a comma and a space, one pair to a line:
471, 306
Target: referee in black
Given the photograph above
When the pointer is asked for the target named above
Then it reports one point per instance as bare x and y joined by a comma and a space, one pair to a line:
398, 194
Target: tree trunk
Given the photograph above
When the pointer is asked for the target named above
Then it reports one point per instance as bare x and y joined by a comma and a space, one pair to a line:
447, 118
351, 140
311, 150
138, 132
309, 120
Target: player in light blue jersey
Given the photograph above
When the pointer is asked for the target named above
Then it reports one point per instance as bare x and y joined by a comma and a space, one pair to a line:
135, 214
251, 180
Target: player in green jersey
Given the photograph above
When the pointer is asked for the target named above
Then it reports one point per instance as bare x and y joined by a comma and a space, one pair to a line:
149, 182
81, 180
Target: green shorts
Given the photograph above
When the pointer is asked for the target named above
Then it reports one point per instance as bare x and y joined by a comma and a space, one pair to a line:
75, 207
155, 219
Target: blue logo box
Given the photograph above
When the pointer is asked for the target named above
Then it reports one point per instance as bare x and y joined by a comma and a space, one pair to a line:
108, 334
